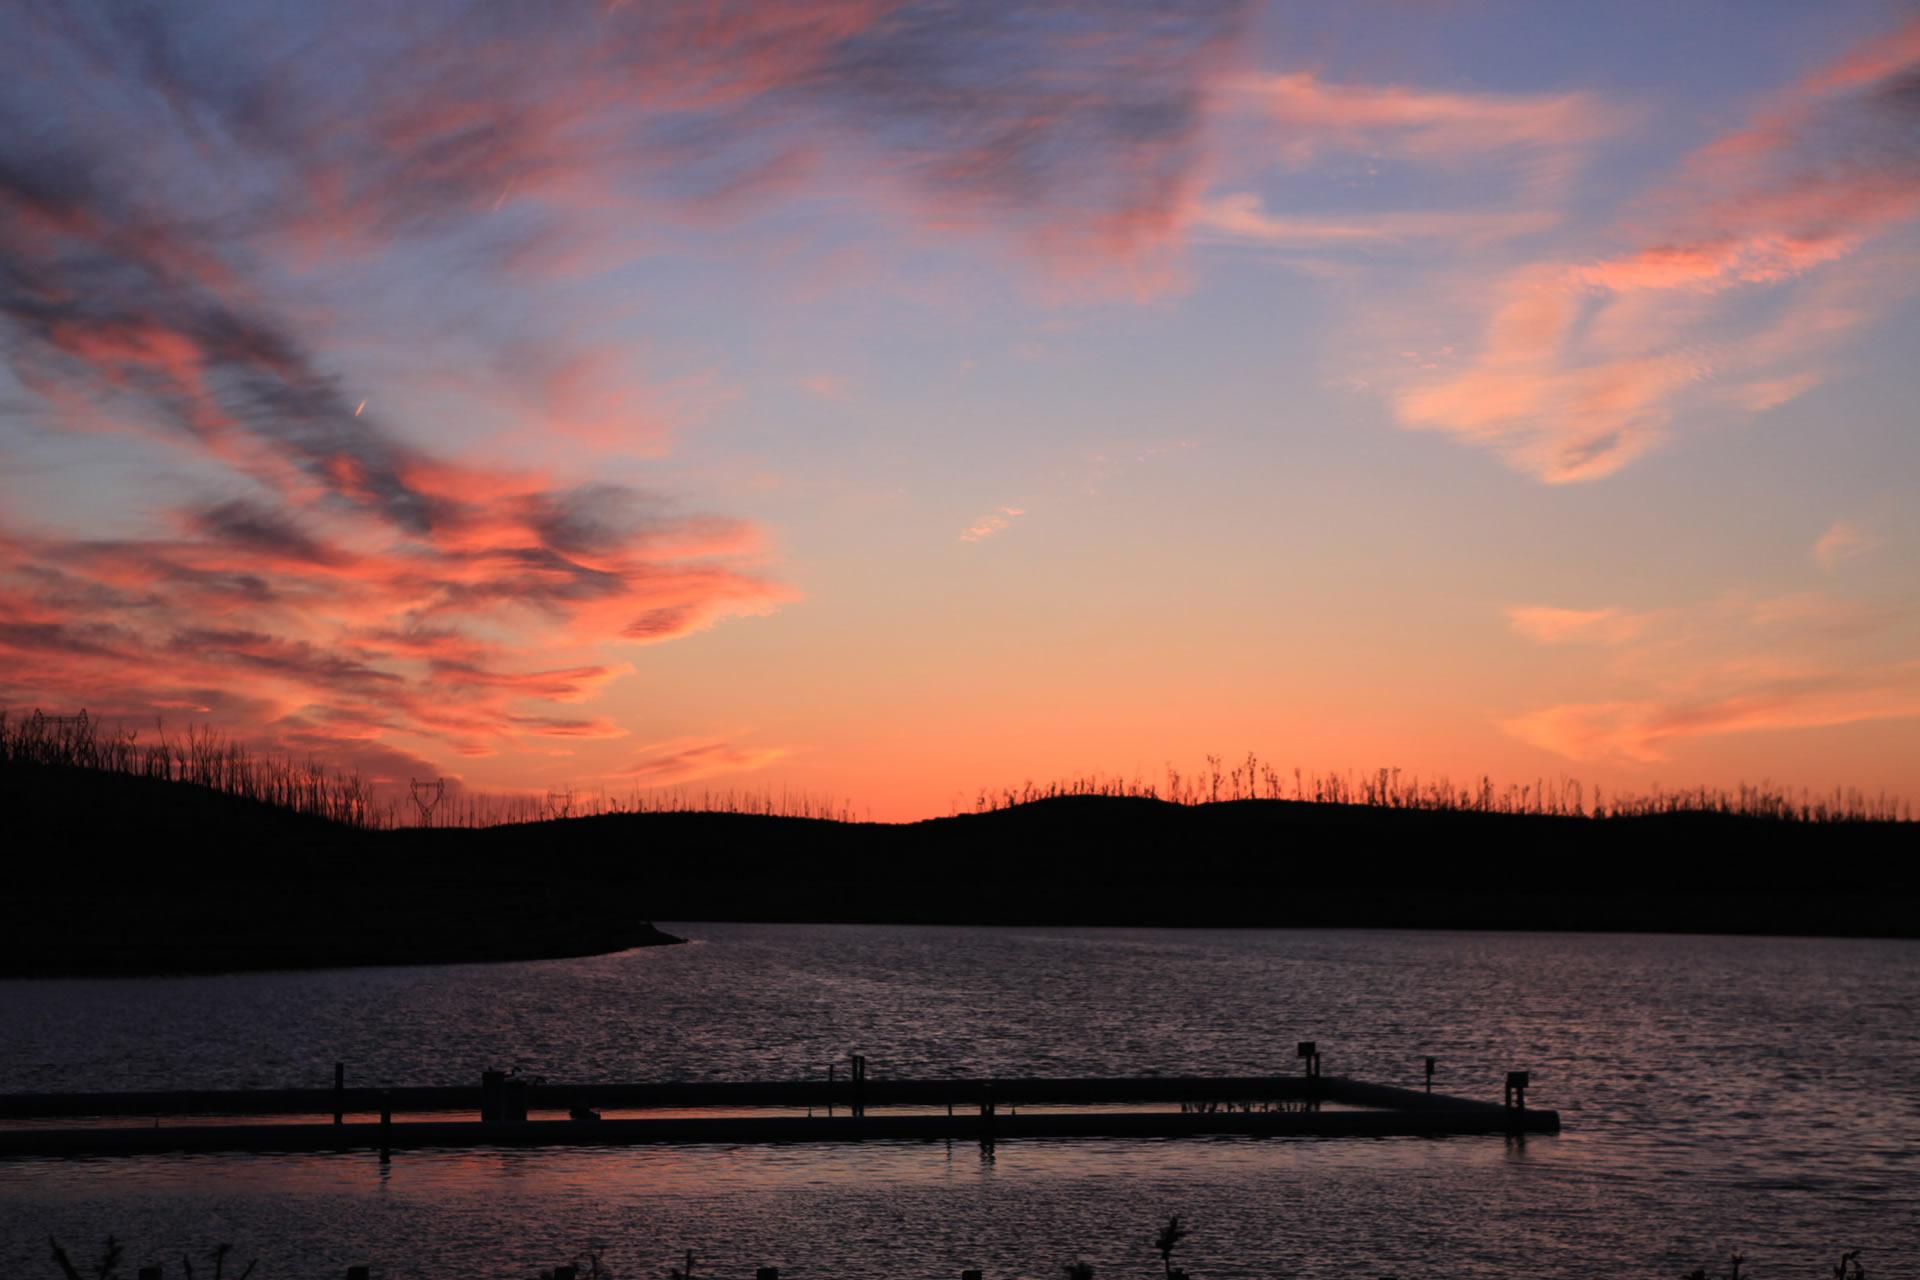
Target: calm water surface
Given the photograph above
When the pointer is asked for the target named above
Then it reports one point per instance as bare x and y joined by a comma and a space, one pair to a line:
1718, 1093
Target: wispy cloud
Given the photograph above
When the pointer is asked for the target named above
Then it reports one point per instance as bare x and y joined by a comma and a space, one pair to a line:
179, 191
1843, 540
1526, 145
1549, 625
1644, 730
826, 386
1311, 114
1735, 664
991, 523
666, 764
1585, 361
1243, 217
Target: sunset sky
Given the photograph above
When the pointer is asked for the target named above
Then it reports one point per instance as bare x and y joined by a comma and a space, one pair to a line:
888, 400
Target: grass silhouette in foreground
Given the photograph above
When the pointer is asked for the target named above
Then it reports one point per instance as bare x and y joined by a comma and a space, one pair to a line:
590, 1263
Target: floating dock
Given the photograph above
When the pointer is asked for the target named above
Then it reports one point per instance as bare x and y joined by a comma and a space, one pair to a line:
846, 1110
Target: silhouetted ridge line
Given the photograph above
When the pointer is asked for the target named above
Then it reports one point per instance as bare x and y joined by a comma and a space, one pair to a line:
204, 757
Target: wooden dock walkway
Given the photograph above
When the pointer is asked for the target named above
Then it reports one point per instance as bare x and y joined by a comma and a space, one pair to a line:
973, 1110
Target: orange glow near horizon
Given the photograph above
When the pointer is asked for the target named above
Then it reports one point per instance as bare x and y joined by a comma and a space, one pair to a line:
633, 400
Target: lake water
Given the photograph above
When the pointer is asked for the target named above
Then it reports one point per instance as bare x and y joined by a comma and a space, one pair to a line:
1717, 1094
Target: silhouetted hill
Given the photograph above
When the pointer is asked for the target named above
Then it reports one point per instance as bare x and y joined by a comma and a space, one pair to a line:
1249, 863
126, 874
108, 873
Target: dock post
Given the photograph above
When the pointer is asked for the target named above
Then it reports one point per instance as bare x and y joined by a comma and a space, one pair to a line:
1516, 1095
767, 1273
829, 1090
339, 1091
1310, 1054
359, 1273
859, 1077
386, 1125
1429, 1075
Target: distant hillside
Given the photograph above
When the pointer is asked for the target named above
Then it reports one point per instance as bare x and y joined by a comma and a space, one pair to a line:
115, 874
1249, 863
126, 874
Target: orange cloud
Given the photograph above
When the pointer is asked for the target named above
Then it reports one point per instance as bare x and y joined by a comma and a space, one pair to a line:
1643, 730
668, 764
1549, 625
1735, 664
354, 630
991, 523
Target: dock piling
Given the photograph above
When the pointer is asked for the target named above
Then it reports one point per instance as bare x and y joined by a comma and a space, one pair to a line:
1429, 1074
1309, 1052
339, 1092
1516, 1094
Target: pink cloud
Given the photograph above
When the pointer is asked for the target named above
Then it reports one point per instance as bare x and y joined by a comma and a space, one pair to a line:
1242, 217
344, 583
826, 386
1584, 363
303, 620
993, 522
1431, 125
1843, 540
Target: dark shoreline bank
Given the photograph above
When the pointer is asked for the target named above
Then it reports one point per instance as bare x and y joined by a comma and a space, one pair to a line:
112, 874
